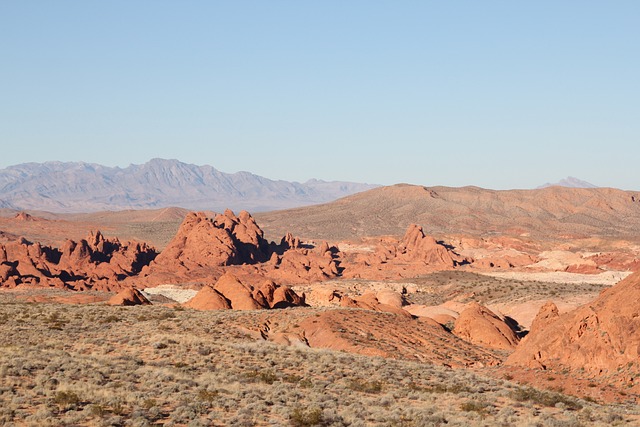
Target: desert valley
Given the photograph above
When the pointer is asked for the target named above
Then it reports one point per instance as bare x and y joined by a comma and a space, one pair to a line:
400, 305
319, 213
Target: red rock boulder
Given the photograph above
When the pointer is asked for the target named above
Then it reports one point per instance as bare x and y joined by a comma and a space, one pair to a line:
128, 297
208, 299
479, 325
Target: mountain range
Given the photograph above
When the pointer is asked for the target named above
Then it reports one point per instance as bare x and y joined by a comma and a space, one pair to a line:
570, 182
86, 187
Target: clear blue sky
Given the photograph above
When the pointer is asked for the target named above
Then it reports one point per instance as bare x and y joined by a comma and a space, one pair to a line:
499, 94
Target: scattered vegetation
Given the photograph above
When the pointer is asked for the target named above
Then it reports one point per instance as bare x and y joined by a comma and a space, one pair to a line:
306, 417
439, 287
365, 386
478, 406
545, 398
199, 369
66, 399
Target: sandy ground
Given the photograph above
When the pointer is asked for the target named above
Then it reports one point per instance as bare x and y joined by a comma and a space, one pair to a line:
607, 278
173, 292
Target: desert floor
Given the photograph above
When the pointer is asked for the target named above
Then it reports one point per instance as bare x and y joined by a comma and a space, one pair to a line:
92, 364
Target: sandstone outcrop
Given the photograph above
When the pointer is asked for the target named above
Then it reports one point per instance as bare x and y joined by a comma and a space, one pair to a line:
23, 216
390, 298
229, 292
440, 314
370, 301
416, 253
417, 246
206, 247
304, 265
547, 314
93, 263
208, 299
212, 242
600, 339
128, 297
239, 295
479, 325
322, 297
392, 335
502, 261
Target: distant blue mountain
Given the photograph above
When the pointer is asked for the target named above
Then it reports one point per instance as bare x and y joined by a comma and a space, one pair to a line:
570, 182
86, 187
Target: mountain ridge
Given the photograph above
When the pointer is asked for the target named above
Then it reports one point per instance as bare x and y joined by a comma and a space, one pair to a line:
569, 182
553, 212
66, 187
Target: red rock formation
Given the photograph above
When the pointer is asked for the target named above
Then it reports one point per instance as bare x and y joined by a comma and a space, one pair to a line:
547, 314
369, 301
440, 314
479, 325
583, 269
290, 242
390, 298
303, 265
504, 261
130, 296
199, 242
284, 296
247, 236
23, 216
206, 248
392, 335
229, 292
600, 339
415, 254
208, 299
616, 261
239, 295
321, 297
93, 263
415, 245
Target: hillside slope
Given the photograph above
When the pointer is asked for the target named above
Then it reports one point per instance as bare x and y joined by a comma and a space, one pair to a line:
554, 212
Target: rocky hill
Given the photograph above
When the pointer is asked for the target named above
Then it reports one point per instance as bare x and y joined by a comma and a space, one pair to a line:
554, 212
599, 340
84, 187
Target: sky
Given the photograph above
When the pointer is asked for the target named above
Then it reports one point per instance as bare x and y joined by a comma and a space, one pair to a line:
497, 94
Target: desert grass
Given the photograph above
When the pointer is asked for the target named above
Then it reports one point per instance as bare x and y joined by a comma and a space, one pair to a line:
89, 365
439, 287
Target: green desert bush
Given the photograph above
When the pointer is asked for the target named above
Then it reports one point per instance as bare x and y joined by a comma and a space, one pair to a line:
301, 417
66, 399
361, 385
545, 398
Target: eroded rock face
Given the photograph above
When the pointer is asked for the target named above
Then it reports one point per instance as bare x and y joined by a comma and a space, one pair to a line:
229, 292
416, 253
371, 301
415, 245
479, 325
23, 216
208, 299
128, 297
600, 339
92, 263
304, 265
547, 314
239, 295
376, 333
205, 248
220, 241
